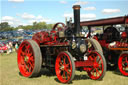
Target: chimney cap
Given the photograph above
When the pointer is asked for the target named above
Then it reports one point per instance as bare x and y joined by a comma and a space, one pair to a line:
76, 7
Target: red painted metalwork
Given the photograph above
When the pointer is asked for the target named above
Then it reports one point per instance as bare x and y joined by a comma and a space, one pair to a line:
86, 63
41, 37
97, 70
104, 43
119, 46
127, 20
120, 49
55, 26
26, 59
50, 39
95, 37
124, 35
123, 64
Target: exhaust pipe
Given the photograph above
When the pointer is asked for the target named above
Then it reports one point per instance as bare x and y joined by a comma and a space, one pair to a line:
77, 28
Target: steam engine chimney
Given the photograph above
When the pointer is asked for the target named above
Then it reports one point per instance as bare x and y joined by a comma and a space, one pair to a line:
76, 19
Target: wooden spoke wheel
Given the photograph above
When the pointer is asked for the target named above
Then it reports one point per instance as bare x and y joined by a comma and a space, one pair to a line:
123, 63
29, 58
98, 70
65, 67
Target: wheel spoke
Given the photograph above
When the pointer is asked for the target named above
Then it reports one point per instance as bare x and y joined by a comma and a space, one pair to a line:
64, 60
29, 54
28, 47
22, 60
91, 58
98, 60
67, 70
97, 71
31, 65
24, 67
67, 65
96, 74
123, 62
95, 57
93, 71
31, 58
22, 53
30, 69
100, 67
60, 64
64, 76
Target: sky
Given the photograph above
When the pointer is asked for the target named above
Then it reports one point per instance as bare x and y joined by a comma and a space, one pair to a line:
25, 12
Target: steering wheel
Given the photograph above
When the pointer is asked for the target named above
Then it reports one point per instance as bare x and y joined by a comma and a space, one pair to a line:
55, 28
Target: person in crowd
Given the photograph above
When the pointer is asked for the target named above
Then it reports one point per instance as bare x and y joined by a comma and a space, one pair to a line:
16, 47
1, 52
10, 49
7, 48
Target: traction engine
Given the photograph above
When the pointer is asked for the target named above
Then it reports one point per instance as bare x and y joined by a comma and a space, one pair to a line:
113, 40
64, 49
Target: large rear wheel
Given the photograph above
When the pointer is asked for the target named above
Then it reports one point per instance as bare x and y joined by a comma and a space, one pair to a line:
123, 63
65, 67
98, 70
29, 58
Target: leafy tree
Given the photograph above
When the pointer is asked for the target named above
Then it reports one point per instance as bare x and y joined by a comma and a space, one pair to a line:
34, 25
40, 25
4, 26
28, 27
50, 26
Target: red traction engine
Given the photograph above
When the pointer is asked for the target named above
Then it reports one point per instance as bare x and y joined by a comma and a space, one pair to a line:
63, 50
114, 41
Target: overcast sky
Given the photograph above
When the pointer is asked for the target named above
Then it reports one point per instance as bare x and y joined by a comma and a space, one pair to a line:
25, 12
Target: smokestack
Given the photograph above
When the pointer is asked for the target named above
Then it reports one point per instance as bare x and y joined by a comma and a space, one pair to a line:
76, 19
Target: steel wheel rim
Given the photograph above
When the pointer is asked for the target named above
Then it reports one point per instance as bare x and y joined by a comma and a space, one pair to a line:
98, 68
26, 61
123, 64
63, 67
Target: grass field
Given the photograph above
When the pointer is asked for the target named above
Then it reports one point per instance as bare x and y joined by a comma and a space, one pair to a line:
9, 75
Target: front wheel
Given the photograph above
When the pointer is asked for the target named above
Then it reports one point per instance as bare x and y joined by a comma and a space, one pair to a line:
65, 67
98, 70
123, 63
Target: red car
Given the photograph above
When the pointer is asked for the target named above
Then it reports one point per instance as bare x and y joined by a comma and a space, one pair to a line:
3, 47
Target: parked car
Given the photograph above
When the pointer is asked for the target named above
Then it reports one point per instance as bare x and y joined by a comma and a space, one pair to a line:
3, 47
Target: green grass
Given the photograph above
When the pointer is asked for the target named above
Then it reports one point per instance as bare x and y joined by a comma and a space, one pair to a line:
9, 75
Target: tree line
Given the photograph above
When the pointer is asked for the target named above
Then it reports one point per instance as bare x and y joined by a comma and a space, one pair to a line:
4, 26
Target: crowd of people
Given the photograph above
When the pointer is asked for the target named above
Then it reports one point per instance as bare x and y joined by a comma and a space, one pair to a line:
10, 48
